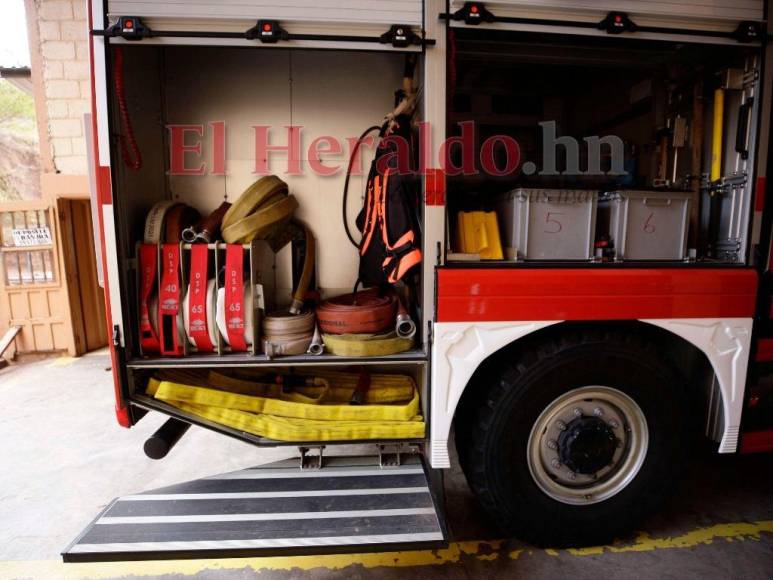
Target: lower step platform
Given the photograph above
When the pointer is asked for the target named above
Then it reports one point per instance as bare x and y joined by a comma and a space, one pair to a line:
352, 504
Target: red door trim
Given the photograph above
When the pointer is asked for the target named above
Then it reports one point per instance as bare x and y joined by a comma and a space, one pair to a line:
757, 441
523, 294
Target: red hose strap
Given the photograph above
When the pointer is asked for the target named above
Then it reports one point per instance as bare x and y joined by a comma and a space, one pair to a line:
198, 329
234, 296
148, 254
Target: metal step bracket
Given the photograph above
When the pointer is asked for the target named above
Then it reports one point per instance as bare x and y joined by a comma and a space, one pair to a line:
311, 460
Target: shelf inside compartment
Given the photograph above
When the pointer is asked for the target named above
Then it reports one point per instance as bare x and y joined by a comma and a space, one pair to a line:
257, 360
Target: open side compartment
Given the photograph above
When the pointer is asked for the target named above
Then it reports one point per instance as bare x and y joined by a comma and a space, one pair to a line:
349, 504
237, 114
600, 150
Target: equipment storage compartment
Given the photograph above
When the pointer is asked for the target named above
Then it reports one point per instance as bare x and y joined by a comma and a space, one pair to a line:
548, 224
599, 114
257, 178
649, 225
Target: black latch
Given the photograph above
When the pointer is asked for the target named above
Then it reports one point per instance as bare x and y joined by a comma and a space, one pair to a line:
400, 36
617, 23
130, 28
473, 13
267, 31
748, 31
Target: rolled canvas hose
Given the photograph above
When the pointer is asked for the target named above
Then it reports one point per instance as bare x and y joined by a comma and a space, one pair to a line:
287, 334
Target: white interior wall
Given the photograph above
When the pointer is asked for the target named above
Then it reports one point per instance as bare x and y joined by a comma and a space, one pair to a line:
328, 93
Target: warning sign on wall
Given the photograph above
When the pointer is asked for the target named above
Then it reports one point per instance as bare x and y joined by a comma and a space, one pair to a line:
32, 237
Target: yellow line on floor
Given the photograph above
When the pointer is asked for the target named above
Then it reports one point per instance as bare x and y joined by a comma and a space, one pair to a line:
455, 553
62, 361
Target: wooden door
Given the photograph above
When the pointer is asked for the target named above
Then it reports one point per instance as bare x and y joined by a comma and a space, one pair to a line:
87, 300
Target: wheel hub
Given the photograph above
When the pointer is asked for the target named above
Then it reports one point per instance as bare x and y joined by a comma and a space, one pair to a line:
587, 446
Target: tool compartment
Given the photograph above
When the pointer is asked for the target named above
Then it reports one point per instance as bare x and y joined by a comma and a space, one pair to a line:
545, 114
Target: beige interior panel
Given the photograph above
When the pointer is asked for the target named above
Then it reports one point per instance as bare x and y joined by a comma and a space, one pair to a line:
277, 88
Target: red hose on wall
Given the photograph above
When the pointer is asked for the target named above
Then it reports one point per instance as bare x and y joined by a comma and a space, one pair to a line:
129, 150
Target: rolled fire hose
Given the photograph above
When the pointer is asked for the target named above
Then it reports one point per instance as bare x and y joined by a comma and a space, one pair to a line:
154, 222
211, 311
260, 212
364, 345
178, 218
263, 212
362, 313
286, 333
207, 229
164, 224
365, 313
220, 317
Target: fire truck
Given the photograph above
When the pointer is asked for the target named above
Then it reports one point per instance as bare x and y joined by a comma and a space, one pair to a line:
586, 300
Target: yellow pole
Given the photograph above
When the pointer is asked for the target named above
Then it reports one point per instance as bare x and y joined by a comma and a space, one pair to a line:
716, 142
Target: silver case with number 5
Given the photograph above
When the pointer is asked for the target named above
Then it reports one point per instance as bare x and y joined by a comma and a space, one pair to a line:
649, 225
549, 224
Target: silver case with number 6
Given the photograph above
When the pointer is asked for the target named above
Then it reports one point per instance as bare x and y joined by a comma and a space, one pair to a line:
548, 224
649, 225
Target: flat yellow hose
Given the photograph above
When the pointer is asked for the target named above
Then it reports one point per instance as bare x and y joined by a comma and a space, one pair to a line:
302, 430
365, 345
168, 391
294, 420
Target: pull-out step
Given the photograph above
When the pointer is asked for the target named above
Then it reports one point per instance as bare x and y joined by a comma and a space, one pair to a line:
350, 504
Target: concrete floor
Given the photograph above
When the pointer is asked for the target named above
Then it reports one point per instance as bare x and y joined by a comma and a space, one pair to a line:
64, 458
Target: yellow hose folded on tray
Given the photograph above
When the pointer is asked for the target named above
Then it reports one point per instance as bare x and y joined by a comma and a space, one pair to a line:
322, 386
294, 420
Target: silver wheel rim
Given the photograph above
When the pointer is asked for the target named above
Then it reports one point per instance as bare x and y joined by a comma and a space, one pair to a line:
624, 427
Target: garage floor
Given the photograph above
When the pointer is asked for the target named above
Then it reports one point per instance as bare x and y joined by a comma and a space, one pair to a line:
64, 458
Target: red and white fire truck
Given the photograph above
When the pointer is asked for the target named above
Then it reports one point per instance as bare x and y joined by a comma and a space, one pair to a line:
585, 315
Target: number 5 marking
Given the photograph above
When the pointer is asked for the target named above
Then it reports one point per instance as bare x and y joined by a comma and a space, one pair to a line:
649, 227
557, 224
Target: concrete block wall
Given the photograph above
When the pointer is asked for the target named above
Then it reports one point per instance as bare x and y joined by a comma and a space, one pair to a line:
63, 37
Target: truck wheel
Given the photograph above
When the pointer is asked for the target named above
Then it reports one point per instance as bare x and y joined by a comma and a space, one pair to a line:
577, 440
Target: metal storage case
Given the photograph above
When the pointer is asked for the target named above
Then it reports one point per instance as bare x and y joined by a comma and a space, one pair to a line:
548, 224
649, 225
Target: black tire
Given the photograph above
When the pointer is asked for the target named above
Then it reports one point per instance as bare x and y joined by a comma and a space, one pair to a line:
493, 451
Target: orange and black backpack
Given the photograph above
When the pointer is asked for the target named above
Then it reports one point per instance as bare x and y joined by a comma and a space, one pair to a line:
389, 223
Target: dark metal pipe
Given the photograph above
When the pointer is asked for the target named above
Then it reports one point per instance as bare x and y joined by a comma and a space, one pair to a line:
161, 442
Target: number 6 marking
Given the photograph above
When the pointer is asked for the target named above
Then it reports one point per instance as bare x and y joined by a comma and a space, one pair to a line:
649, 228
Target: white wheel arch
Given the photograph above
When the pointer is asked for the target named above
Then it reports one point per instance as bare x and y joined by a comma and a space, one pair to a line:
460, 347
